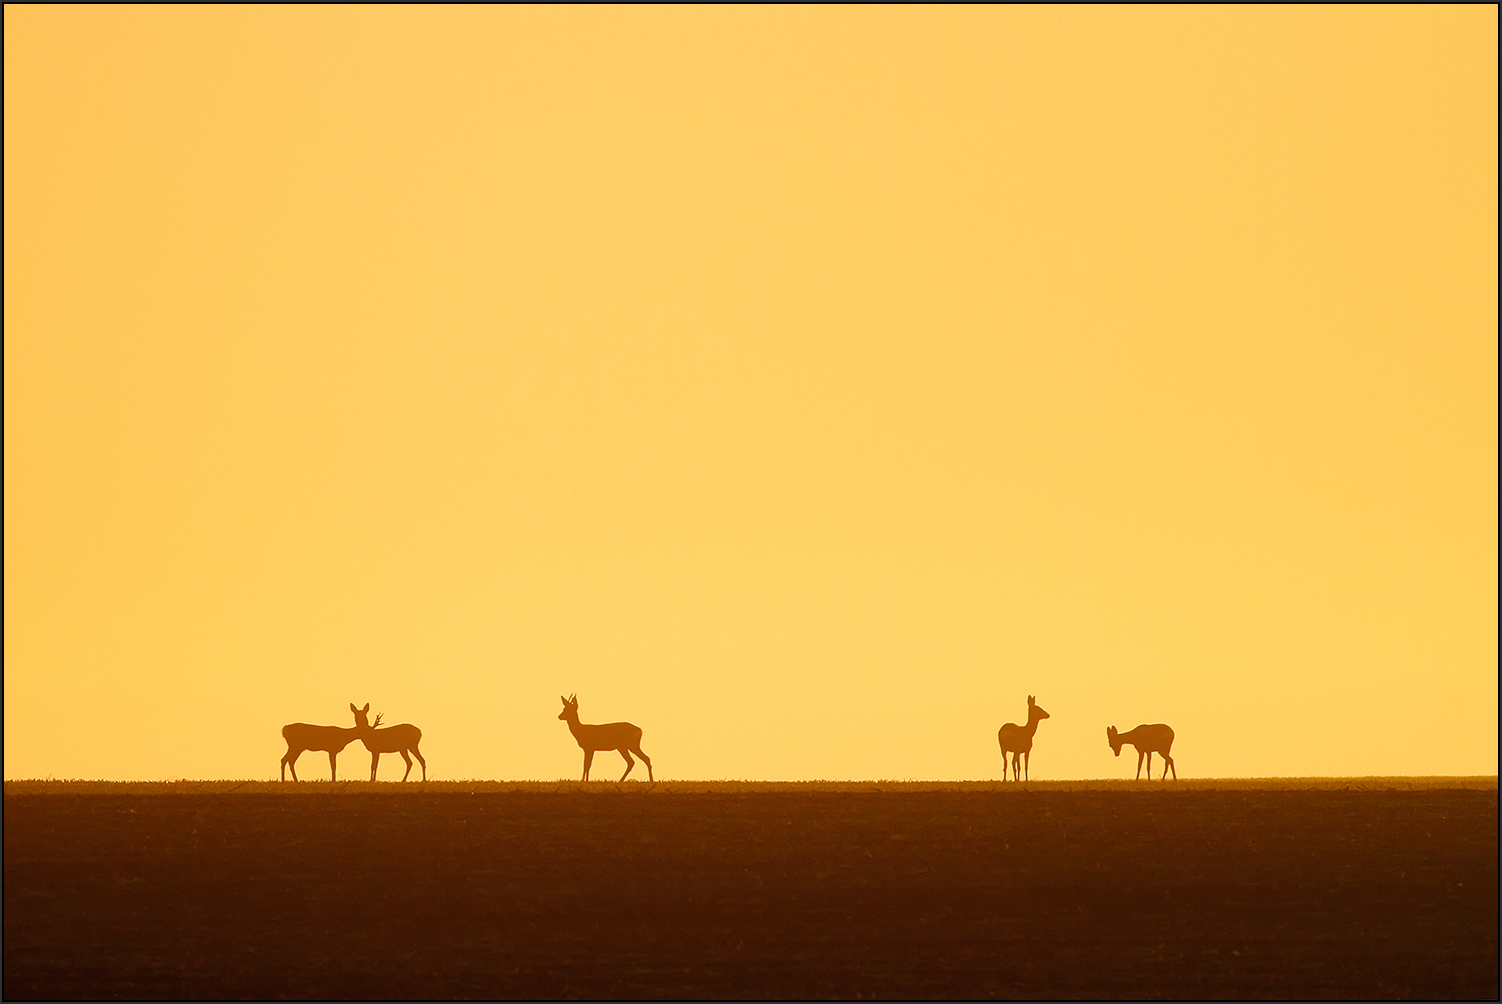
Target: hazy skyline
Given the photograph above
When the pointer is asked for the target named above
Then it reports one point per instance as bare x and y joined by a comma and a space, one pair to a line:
807, 386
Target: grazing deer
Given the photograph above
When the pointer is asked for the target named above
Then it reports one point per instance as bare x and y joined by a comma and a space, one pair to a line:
623, 737
301, 736
1148, 739
1018, 740
401, 739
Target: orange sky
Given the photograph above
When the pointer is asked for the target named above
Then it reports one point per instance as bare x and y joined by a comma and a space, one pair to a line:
807, 386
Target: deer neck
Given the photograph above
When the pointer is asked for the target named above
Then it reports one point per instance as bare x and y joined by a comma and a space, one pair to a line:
1031, 727
573, 724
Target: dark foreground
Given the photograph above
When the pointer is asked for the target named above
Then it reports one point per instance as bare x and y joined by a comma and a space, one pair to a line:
626, 892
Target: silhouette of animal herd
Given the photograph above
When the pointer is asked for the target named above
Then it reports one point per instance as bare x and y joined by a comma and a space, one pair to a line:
1016, 742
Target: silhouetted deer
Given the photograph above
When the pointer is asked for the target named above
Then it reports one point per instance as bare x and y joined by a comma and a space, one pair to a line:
300, 736
1148, 739
401, 739
623, 737
1018, 739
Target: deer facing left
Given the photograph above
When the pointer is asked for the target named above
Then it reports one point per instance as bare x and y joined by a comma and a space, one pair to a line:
1147, 740
623, 737
401, 739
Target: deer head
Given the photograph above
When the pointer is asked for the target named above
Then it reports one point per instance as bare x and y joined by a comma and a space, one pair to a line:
1114, 738
361, 713
1035, 713
570, 707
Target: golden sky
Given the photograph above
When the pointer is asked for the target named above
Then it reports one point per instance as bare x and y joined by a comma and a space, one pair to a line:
805, 385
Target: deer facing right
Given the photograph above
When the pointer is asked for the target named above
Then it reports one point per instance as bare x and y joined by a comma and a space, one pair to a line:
1017, 740
301, 737
1147, 740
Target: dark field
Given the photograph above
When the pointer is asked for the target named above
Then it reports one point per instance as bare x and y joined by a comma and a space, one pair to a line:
1364, 889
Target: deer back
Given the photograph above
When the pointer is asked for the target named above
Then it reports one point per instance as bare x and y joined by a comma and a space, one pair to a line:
613, 736
392, 739
1014, 738
1150, 738
324, 738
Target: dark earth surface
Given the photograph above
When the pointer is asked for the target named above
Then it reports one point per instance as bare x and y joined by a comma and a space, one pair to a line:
408, 893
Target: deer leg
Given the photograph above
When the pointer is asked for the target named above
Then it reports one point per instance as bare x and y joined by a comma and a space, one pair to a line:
290, 762
589, 756
1168, 765
409, 763
421, 761
333, 766
1139, 766
1027, 758
1016, 766
646, 760
375, 758
629, 762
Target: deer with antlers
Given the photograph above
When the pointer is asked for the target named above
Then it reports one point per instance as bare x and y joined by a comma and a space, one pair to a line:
1147, 740
301, 737
1018, 740
401, 739
623, 737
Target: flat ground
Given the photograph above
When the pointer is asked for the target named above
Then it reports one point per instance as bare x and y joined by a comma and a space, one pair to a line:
1367, 888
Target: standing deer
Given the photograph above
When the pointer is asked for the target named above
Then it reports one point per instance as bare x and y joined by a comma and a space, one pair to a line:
401, 739
301, 736
1018, 740
623, 737
1148, 739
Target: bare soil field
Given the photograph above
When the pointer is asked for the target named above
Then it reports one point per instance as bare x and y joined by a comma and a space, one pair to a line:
1326, 888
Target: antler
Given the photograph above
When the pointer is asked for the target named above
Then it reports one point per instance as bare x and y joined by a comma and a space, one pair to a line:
378, 720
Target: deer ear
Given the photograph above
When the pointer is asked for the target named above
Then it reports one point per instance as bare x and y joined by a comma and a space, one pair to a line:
367, 706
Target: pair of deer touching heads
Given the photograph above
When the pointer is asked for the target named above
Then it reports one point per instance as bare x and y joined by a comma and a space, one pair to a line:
1017, 743
402, 739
